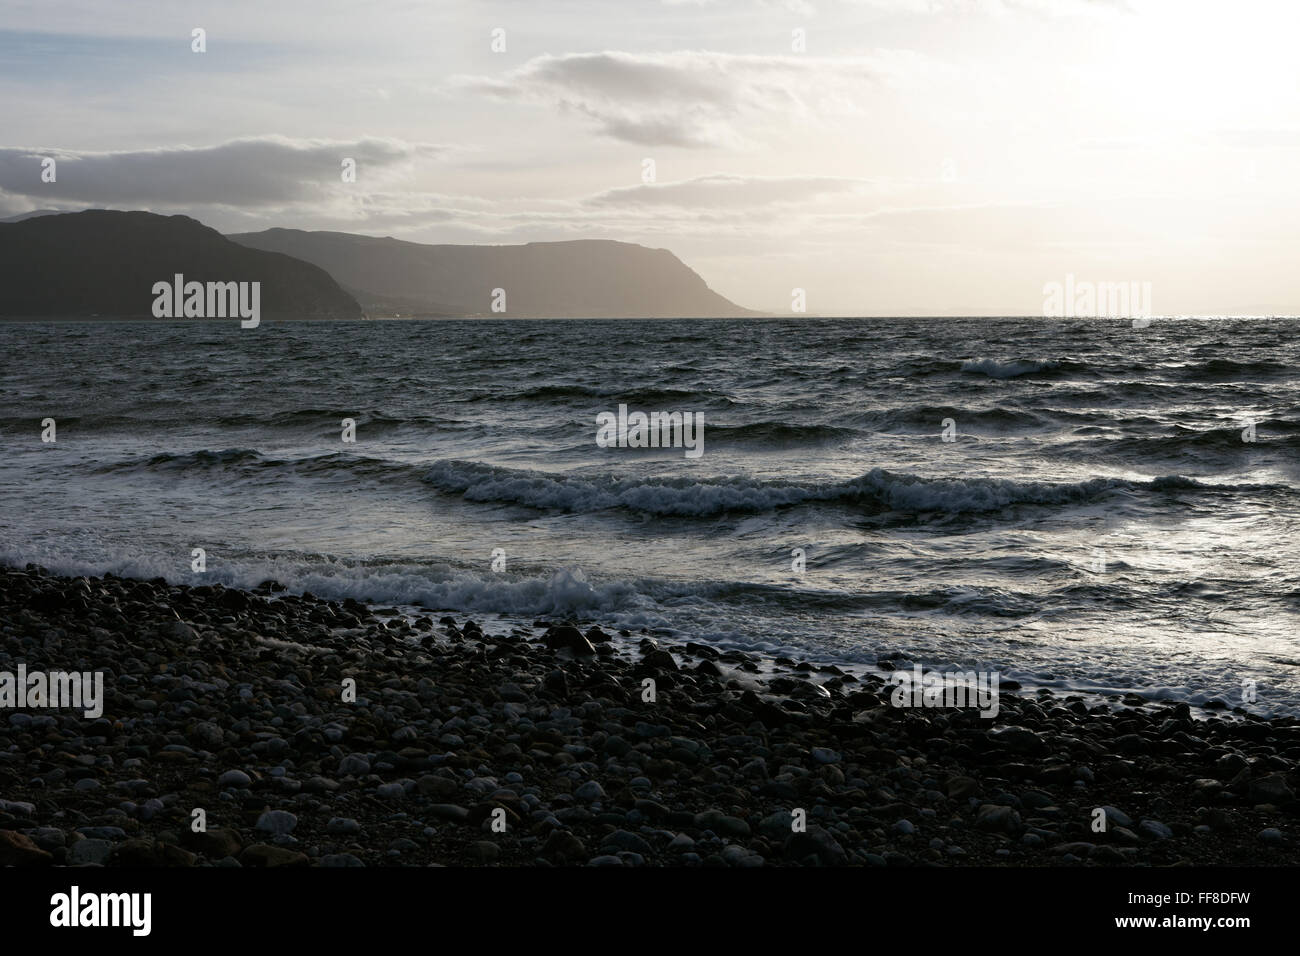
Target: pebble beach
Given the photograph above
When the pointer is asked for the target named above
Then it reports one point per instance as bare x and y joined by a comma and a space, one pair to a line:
322, 733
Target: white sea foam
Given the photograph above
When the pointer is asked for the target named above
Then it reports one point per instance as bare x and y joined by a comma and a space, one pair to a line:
995, 369
706, 611
706, 497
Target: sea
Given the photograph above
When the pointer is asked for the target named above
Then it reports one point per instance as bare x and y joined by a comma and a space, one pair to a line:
1077, 504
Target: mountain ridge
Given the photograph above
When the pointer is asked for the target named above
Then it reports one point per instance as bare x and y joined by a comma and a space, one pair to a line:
106, 263
575, 278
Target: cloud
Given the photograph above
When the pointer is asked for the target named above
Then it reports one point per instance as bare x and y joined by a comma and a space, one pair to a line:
721, 191
716, 206
251, 172
699, 99
931, 8
1045, 8
1276, 139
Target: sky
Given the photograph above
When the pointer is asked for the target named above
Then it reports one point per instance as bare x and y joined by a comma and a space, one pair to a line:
886, 157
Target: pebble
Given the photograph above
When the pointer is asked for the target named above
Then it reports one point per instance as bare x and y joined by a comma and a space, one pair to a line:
91, 851
277, 821
563, 846
590, 791
103, 832
18, 849
236, 779
354, 765
1116, 817
1271, 789
448, 811
998, 818
1154, 830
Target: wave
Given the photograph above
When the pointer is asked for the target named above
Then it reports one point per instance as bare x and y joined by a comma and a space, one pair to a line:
433, 585
200, 460
1204, 446
757, 618
326, 420
1231, 435
646, 398
322, 421
552, 393
779, 433
1142, 375
878, 490
1002, 370
875, 492
564, 592
1219, 370
249, 461
930, 417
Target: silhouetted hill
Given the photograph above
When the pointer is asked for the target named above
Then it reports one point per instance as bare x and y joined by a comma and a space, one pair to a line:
102, 262
580, 279
33, 214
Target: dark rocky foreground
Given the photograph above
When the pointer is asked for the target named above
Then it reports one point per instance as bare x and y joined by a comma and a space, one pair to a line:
232, 702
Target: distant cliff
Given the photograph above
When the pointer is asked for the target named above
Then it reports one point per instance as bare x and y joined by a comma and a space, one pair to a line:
585, 278
105, 263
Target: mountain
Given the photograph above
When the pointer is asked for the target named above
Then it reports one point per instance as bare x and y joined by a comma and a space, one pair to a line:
102, 262
31, 215
586, 278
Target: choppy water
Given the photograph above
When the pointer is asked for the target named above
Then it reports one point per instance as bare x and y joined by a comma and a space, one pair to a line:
1097, 523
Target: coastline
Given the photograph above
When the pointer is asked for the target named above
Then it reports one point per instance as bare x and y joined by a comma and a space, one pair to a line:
537, 746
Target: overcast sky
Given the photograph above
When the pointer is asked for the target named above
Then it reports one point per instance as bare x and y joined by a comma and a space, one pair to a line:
915, 157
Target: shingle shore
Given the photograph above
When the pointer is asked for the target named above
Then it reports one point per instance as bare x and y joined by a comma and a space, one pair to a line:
540, 746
